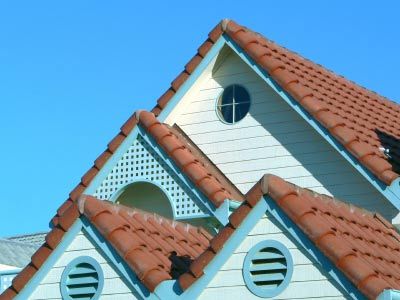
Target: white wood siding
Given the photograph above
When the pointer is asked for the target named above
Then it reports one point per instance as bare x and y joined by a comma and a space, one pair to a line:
7, 267
272, 138
114, 285
308, 280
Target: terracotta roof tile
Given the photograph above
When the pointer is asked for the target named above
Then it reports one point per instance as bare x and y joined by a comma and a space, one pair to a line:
361, 120
132, 122
363, 245
351, 237
332, 100
156, 248
69, 213
214, 185
135, 235
365, 120
40, 256
9, 293
22, 278
68, 217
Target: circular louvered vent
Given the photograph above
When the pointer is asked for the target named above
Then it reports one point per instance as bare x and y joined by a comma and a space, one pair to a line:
267, 268
82, 279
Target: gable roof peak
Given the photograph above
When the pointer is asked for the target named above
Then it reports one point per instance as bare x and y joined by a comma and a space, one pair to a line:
361, 244
224, 23
154, 247
206, 176
361, 120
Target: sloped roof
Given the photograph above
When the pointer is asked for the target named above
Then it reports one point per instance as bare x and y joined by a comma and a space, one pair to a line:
14, 253
205, 175
156, 248
33, 238
363, 245
361, 120
52, 239
213, 183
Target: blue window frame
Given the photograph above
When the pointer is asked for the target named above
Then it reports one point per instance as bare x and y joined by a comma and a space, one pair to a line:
82, 278
233, 104
267, 268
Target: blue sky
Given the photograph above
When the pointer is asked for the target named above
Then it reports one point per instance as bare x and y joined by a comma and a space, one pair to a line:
72, 72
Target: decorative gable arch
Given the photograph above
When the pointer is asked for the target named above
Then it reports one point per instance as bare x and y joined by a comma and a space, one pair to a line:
146, 195
157, 153
141, 162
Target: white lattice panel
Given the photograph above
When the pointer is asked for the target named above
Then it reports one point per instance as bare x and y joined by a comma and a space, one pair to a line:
142, 162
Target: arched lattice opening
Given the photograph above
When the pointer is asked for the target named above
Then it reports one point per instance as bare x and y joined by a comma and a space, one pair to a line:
146, 196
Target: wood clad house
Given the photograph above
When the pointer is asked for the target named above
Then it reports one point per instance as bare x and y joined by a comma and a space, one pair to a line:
258, 174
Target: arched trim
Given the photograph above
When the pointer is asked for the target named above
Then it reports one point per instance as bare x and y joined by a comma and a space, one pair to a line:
123, 188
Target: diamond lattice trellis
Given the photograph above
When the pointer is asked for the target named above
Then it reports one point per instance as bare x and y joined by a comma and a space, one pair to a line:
142, 162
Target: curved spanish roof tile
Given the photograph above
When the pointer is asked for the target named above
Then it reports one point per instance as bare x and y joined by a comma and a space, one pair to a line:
155, 248
213, 183
363, 245
365, 123
361, 120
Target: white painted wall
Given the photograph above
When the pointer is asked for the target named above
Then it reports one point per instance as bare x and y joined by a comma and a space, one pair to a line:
7, 267
114, 285
308, 280
272, 138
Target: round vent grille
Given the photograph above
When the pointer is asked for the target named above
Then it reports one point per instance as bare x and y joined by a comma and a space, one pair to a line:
267, 268
82, 279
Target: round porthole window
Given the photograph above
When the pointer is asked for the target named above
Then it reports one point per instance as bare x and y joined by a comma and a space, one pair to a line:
267, 268
233, 104
82, 278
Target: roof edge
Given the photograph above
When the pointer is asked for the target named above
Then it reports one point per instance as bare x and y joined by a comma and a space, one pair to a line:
283, 192
253, 44
191, 166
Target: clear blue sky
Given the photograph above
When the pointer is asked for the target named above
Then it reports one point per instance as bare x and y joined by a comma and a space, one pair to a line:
71, 72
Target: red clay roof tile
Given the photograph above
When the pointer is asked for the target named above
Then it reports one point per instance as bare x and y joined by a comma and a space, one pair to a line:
102, 159
146, 249
348, 235
359, 119
194, 165
54, 237
23, 277
368, 117
40, 256
129, 125
68, 217
363, 245
344, 103
9, 293
116, 142
146, 241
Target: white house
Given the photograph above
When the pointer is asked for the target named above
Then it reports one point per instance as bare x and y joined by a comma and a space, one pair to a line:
258, 174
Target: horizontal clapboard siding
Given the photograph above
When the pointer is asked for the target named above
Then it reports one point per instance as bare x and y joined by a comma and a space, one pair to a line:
272, 138
308, 281
114, 285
